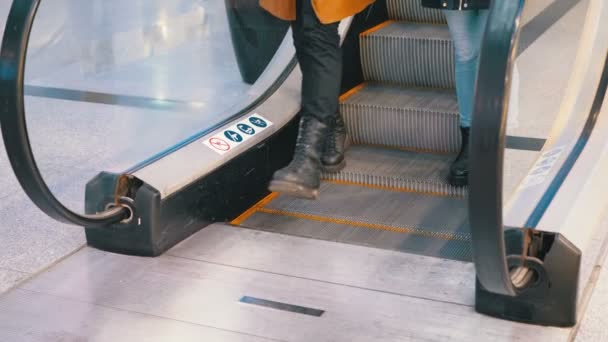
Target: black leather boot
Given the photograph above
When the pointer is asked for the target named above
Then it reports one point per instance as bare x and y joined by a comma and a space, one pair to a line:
459, 171
302, 177
336, 143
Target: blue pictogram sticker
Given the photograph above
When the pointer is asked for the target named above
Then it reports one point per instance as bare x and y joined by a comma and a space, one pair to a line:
246, 129
233, 136
258, 122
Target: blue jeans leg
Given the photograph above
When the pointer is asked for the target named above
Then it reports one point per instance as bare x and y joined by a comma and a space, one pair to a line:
466, 28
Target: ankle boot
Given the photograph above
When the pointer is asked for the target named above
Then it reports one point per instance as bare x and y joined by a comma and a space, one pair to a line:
302, 177
336, 143
459, 171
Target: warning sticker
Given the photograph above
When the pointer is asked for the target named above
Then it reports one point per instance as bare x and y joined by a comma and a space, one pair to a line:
539, 172
219, 144
227, 139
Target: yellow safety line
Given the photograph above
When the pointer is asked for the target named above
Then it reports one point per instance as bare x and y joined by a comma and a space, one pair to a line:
244, 216
352, 92
405, 230
377, 27
390, 188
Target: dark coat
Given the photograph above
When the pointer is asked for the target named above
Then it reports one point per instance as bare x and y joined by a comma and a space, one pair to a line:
328, 11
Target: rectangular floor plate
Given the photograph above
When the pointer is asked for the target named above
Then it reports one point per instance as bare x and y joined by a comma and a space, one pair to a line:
282, 306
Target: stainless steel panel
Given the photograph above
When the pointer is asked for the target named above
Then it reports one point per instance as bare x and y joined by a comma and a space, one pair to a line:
207, 294
338, 263
27, 316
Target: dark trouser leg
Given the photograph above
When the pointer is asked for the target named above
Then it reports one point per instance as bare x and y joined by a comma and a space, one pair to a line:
320, 58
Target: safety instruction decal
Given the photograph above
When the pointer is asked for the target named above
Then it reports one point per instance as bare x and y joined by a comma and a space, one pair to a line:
229, 138
543, 167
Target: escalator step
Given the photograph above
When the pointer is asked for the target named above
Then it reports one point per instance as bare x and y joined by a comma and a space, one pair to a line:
409, 54
398, 171
410, 10
414, 119
333, 231
407, 222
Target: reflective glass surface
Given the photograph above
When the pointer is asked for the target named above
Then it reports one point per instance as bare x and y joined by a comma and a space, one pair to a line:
550, 35
110, 83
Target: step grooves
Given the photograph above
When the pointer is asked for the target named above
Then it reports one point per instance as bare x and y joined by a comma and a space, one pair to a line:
411, 10
399, 184
407, 60
440, 235
412, 128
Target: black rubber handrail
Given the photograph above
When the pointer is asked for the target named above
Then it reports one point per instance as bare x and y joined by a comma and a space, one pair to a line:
488, 136
14, 128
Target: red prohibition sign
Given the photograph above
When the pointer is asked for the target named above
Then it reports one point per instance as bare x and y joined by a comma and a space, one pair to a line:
219, 144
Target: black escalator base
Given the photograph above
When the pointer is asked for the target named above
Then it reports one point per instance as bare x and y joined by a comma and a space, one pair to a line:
160, 223
551, 300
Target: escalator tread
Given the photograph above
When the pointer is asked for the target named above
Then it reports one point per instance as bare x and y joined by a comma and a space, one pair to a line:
457, 249
398, 170
403, 221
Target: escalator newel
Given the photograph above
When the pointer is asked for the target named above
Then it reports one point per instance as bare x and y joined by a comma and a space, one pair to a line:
549, 295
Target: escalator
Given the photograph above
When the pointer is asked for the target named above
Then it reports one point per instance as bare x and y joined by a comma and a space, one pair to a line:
403, 122
389, 240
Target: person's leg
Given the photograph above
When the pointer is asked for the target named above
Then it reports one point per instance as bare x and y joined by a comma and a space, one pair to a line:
336, 144
320, 58
466, 28
319, 55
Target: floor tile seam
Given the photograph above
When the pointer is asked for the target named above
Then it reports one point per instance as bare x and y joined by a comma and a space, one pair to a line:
131, 102
43, 269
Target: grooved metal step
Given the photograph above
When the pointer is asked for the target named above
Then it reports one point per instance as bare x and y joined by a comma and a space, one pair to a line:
408, 118
398, 170
409, 54
408, 222
411, 10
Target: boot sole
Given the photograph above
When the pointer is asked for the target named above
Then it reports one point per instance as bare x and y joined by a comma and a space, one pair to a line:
295, 190
458, 180
334, 168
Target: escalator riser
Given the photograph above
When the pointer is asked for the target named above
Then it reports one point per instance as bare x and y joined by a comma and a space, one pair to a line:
403, 118
410, 10
396, 170
409, 54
